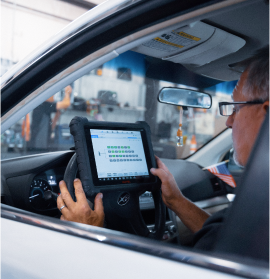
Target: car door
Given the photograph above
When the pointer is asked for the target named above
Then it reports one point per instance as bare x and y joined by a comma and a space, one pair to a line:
112, 83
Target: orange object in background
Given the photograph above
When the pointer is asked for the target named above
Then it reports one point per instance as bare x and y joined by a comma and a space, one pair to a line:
99, 72
179, 136
193, 144
26, 128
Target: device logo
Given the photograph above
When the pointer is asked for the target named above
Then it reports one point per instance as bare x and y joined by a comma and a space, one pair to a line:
123, 199
126, 181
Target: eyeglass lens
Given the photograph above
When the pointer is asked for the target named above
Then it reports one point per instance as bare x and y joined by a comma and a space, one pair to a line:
226, 110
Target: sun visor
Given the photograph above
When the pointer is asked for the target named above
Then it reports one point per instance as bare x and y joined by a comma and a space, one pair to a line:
193, 45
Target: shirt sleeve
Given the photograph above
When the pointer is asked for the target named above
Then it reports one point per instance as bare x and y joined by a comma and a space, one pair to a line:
46, 108
206, 238
51, 107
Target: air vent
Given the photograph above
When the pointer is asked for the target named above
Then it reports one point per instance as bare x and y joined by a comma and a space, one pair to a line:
216, 184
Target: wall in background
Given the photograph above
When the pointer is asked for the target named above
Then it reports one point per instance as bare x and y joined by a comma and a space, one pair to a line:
26, 24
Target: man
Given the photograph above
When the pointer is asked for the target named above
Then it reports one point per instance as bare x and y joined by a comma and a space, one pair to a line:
42, 125
245, 120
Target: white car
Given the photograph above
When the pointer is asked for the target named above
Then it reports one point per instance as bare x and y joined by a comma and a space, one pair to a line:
116, 58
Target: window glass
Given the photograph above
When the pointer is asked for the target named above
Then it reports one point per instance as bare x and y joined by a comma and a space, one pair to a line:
124, 89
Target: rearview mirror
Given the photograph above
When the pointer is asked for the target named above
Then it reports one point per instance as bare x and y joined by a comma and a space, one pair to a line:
184, 97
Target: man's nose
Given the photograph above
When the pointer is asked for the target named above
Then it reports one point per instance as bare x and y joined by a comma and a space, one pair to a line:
229, 121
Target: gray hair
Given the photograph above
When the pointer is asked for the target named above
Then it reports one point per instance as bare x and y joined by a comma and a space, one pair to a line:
257, 83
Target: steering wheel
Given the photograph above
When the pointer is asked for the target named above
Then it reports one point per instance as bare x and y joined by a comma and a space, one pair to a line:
122, 208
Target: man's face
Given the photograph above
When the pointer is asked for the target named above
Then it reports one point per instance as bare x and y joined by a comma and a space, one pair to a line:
245, 123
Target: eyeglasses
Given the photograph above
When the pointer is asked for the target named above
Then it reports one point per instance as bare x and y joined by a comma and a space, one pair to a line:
227, 109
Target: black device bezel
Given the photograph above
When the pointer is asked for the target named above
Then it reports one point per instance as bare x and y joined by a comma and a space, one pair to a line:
85, 157
139, 179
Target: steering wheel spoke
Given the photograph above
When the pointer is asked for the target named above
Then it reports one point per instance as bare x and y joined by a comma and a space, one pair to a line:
122, 208
122, 212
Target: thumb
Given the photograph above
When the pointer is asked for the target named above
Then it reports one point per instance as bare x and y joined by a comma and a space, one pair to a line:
161, 165
163, 176
98, 203
153, 171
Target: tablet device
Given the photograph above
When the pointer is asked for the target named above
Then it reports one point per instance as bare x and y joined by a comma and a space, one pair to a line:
118, 156
113, 155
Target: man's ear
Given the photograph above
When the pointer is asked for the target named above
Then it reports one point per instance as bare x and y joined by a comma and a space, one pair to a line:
266, 106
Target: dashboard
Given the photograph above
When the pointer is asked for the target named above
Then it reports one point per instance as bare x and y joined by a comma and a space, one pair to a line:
48, 181
42, 184
26, 182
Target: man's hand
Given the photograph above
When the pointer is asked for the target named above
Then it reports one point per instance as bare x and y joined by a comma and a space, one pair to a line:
65, 103
171, 194
68, 90
191, 215
80, 211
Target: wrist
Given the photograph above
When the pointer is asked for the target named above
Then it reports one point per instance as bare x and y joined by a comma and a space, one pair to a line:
175, 203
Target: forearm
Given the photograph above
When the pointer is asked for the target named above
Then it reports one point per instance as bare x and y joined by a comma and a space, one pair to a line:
191, 215
55, 119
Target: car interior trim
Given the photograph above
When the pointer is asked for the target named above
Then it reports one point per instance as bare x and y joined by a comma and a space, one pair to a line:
127, 241
241, 244
89, 62
212, 202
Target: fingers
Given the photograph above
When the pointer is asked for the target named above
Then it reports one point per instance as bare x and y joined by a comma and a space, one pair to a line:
161, 171
65, 195
61, 203
79, 192
80, 211
99, 211
68, 89
98, 204
163, 176
161, 164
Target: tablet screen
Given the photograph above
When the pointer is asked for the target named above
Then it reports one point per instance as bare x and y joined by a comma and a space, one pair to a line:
119, 154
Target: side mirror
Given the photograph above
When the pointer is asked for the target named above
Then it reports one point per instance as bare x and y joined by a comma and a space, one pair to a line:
184, 97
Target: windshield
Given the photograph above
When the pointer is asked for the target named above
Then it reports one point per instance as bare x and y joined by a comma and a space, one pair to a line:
124, 89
